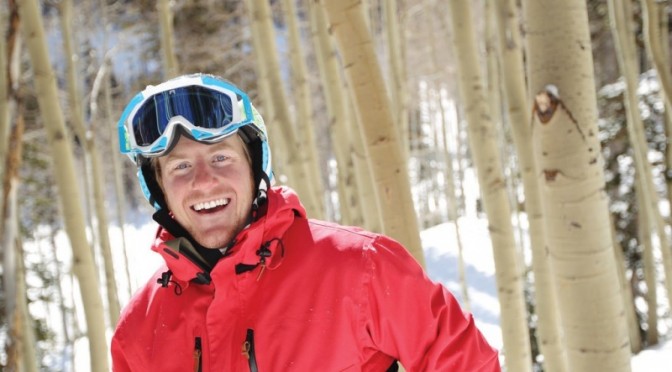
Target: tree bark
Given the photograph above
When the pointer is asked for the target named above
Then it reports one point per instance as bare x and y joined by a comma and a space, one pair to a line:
649, 268
627, 61
97, 178
167, 40
299, 173
397, 71
339, 127
372, 106
571, 181
52, 116
22, 347
27, 339
654, 46
4, 113
485, 151
548, 326
303, 103
451, 199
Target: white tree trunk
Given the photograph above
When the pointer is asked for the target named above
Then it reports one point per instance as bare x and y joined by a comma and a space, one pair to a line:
97, 178
397, 71
365, 79
627, 61
171, 67
485, 151
451, 199
649, 264
340, 128
300, 176
571, 180
52, 116
548, 327
303, 103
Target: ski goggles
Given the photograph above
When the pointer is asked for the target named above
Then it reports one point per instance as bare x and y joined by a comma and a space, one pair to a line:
207, 109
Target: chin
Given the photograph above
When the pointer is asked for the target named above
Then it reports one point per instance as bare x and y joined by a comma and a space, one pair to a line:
212, 244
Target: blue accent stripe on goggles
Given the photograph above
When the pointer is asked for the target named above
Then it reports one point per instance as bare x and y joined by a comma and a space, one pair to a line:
208, 110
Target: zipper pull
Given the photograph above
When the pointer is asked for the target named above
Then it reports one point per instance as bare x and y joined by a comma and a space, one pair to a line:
263, 267
198, 354
248, 350
263, 253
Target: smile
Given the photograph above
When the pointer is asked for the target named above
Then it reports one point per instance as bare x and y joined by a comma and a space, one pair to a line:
204, 206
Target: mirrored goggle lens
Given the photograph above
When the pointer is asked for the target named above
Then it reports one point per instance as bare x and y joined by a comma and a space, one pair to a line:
203, 107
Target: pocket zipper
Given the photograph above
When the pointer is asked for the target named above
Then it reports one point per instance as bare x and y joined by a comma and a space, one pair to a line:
198, 355
248, 350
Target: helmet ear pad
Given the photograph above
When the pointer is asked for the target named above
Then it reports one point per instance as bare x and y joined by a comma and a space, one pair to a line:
255, 148
149, 184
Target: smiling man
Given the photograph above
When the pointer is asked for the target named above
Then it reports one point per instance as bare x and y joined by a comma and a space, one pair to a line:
249, 282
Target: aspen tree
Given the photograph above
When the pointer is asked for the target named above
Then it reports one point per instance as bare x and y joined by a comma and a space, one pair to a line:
397, 71
171, 67
485, 151
300, 176
303, 102
8, 47
27, 340
114, 148
430, 30
52, 116
548, 326
450, 191
368, 191
352, 210
4, 112
665, 41
278, 144
649, 264
655, 48
571, 181
60, 296
627, 61
22, 348
373, 110
87, 136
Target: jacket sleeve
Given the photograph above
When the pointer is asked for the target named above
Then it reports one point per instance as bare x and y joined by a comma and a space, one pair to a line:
119, 363
417, 321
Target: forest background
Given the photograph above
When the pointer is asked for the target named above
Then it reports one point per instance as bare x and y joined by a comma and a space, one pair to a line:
376, 111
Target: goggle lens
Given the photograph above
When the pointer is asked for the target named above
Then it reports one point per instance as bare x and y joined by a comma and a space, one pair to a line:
203, 107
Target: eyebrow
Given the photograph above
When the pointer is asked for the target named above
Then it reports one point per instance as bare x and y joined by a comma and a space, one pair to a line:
221, 145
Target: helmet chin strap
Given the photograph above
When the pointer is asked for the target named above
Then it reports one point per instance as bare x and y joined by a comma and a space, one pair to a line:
259, 204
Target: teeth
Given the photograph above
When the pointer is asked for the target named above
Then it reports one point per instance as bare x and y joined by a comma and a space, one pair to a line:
210, 204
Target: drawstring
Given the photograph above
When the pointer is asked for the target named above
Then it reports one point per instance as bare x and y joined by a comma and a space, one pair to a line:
263, 252
165, 280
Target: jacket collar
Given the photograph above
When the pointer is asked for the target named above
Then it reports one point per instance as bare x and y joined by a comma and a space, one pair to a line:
260, 243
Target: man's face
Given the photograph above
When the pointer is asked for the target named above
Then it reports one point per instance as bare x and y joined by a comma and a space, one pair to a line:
209, 188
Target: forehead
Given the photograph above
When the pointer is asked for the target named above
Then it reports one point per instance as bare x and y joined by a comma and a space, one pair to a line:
186, 147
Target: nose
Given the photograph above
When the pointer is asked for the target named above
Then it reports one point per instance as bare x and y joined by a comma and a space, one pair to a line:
203, 176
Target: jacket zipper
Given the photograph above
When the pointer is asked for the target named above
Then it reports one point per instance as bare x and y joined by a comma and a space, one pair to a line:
198, 355
248, 350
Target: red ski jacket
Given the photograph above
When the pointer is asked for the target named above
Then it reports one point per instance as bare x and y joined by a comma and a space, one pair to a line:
295, 294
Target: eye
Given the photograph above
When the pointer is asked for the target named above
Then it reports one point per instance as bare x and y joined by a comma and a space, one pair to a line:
220, 157
181, 166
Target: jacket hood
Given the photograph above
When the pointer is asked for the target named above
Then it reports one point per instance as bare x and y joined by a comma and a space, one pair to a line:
259, 243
